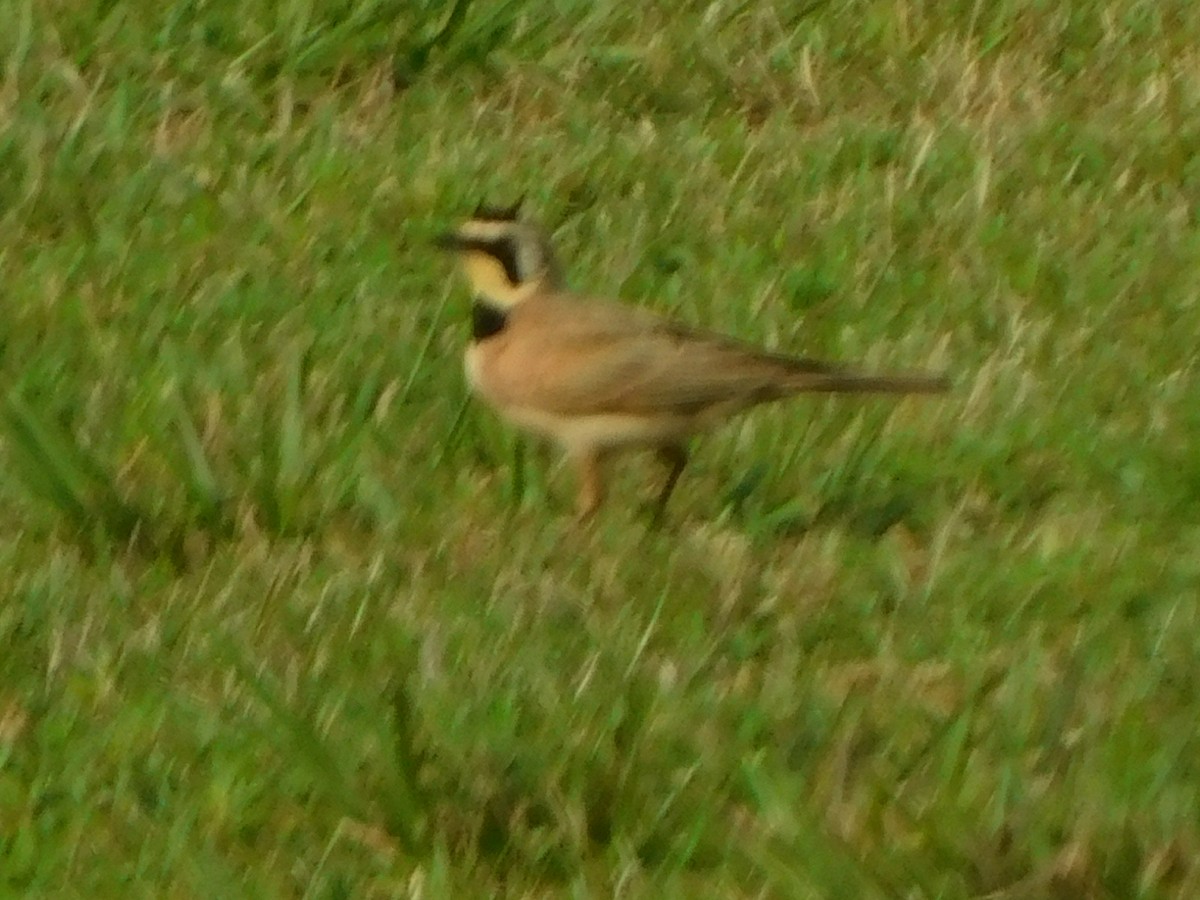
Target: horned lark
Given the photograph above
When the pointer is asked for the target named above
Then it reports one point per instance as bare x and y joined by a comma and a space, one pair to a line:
597, 376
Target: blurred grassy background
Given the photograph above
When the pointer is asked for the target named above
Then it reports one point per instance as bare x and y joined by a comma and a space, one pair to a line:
285, 615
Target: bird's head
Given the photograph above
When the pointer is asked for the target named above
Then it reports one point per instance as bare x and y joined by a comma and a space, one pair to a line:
505, 257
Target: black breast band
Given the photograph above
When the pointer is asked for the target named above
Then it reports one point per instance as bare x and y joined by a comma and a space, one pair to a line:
486, 320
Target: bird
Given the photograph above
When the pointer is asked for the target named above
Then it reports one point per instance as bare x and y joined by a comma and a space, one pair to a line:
600, 376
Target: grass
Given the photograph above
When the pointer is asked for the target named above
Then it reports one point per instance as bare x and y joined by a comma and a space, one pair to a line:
286, 615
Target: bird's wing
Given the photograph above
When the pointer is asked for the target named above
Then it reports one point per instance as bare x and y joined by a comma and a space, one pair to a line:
583, 357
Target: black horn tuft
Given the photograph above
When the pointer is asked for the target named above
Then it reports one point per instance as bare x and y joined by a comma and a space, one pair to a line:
487, 213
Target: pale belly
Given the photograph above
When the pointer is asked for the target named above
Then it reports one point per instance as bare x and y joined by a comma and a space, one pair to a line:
586, 433
602, 431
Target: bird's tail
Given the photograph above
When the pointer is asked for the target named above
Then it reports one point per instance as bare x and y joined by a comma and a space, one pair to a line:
847, 381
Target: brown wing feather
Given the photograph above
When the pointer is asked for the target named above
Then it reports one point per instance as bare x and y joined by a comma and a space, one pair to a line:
598, 357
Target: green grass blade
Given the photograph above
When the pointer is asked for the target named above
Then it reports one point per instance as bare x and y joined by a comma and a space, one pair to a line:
47, 466
198, 476
67, 474
406, 803
328, 772
291, 431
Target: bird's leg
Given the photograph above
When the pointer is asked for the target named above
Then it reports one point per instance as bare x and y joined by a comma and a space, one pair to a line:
674, 457
591, 484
